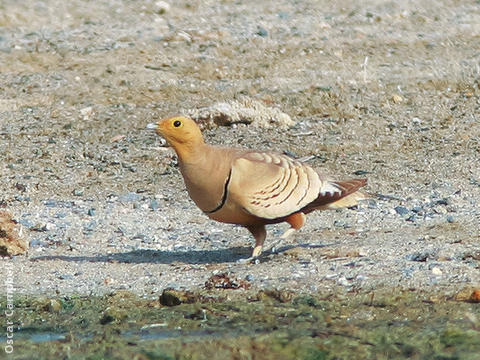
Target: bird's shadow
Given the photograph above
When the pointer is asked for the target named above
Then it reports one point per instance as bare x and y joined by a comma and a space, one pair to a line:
143, 256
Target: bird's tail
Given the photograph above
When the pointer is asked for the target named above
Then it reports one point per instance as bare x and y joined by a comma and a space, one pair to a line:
349, 200
347, 195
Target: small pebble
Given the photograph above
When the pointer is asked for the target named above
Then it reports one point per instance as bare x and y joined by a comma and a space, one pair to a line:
130, 197
450, 219
361, 277
77, 192
91, 212
436, 271
261, 32
21, 187
249, 277
372, 204
397, 98
86, 112
408, 272
411, 218
361, 172
341, 223
54, 305
65, 277
475, 297
421, 256
37, 243
90, 226
49, 226
22, 198
401, 210
343, 281
444, 201
417, 209
161, 7
154, 205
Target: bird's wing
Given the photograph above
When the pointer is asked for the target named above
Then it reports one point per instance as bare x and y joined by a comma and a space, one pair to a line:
273, 186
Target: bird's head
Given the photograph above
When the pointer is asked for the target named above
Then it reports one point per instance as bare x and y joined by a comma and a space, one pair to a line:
182, 133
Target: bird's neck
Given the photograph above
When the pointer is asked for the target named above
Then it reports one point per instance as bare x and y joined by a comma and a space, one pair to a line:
190, 152
205, 172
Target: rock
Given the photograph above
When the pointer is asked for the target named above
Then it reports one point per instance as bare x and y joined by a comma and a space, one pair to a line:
450, 219
154, 205
361, 172
77, 192
421, 256
106, 319
172, 297
21, 187
341, 224
249, 277
22, 198
245, 111
436, 271
199, 314
411, 218
475, 297
49, 226
117, 138
343, 281
12, 241
86, 112
468, 294
161, 7
90, 226
50, 203
261, 31
130, 197
225, 281
397, 99
401, 210
38, 242
65, 277
418, 210
53, 306
282, 296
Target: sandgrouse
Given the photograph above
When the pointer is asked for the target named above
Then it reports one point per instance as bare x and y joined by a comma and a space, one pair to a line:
252, 188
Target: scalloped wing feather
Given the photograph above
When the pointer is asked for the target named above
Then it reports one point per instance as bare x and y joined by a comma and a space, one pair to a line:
272, 186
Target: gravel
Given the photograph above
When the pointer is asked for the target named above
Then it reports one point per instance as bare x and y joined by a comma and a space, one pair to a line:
101, 201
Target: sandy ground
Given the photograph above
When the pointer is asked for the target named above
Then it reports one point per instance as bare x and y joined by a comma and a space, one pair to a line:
384, 90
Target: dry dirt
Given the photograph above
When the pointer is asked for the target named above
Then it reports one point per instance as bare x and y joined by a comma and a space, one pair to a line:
387, 90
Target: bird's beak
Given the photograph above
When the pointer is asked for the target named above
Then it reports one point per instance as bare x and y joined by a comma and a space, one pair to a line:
152, 126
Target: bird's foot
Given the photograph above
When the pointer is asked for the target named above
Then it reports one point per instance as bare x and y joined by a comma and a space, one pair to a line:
250, 260
275, 243
254, 259
287, 233
273, 246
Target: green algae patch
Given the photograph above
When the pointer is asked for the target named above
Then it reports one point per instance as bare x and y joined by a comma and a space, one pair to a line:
225, 324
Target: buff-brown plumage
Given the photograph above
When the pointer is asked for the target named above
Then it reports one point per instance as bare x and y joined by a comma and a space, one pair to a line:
252, 188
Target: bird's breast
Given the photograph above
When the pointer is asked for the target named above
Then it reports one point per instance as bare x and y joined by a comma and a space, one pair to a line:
233, 214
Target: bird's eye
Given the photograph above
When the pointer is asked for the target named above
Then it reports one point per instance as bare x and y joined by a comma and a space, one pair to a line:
177, 123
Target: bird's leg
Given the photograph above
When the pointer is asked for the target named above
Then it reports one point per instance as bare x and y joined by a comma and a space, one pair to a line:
259, 233
296, 221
